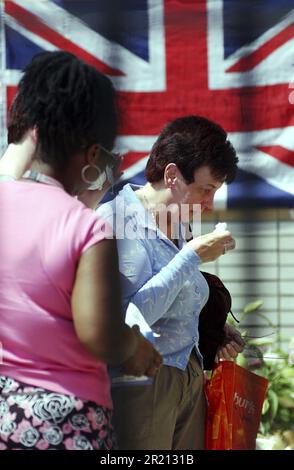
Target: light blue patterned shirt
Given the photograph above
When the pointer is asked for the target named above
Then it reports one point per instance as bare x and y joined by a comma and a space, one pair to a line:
160, 281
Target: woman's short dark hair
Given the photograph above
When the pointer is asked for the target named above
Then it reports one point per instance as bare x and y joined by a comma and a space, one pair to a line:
71, 104
192, 142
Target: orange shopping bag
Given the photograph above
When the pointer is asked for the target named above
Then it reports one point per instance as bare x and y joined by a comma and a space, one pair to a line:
235, 398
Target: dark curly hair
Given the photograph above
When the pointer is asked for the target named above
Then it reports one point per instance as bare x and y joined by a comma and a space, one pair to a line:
192, 142
70, 103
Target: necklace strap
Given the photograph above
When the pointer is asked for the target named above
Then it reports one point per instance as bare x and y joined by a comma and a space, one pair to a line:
41, 178
148, 208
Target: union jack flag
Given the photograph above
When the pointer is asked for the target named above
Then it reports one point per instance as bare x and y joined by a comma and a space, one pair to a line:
229, 60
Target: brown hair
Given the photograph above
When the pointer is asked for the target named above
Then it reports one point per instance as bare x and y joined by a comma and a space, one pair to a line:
192, 142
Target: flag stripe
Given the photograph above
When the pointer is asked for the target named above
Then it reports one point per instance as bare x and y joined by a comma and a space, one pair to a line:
32, 23
131, 158
281, 153
253, 59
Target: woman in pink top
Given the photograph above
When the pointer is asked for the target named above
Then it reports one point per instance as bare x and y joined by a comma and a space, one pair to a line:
60, 312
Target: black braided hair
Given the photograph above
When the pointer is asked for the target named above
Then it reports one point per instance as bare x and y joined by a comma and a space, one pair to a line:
71, 104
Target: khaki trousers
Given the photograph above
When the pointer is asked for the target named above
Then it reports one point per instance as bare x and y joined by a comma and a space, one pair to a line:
168, 414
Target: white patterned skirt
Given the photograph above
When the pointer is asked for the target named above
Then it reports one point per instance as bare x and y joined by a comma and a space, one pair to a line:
35, 418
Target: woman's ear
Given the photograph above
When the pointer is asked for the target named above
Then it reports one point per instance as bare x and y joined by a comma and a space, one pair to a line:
171, 174
34, 135
92, 154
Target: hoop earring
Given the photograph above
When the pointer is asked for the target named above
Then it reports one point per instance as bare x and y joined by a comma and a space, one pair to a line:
85, 169
98, 183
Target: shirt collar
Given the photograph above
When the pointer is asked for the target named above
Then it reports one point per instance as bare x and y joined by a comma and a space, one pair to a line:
142, 216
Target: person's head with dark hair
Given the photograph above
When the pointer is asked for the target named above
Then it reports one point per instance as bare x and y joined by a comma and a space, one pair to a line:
192, 157
71, 106
192, 142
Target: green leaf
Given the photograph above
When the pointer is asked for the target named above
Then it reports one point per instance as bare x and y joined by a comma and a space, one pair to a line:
286, 402
288, 372
253, 306
274, 403
265, 406
284, 415
261, 341
242, 361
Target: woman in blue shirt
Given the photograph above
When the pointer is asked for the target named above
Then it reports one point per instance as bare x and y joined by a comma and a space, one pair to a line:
163, 289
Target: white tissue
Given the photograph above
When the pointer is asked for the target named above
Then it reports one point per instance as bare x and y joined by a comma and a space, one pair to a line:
221, 227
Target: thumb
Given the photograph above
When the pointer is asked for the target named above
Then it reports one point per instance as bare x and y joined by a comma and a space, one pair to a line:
136, 328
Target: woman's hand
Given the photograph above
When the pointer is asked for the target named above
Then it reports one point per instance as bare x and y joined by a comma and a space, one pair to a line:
212, 245
233, 344
145, 361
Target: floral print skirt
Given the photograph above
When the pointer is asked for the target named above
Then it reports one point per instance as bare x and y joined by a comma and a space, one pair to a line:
34, 418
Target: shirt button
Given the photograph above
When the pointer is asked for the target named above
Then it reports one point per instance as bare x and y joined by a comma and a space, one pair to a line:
194, 339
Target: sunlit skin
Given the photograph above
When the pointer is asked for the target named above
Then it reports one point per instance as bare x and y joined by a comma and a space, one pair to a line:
201, 191
18, 157
174, 193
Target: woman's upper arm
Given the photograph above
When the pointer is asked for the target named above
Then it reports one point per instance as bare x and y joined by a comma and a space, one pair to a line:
96, 299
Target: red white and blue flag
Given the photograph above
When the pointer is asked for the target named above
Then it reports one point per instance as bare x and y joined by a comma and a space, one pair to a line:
229, 60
